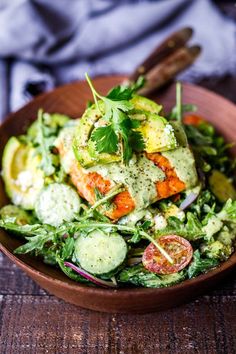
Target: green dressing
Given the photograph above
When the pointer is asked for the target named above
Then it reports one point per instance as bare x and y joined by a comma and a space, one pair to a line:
184, 164
140, 178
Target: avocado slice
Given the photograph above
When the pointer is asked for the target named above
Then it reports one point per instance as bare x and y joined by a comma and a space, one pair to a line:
179, 133
21, 174
221, 186
144, 104
84, 149
159, 135
12, 212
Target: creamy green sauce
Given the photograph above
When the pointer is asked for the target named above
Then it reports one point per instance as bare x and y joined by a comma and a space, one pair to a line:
65, 139
139, 177
184, 164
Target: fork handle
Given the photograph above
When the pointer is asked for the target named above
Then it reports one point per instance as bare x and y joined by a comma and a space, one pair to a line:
175, 41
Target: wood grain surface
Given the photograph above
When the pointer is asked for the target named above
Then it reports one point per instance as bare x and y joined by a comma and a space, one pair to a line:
34, 322
31, 321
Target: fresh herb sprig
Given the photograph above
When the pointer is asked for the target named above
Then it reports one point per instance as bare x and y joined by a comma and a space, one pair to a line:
42, 135
40, 235
180, 108
45, 143
119, 132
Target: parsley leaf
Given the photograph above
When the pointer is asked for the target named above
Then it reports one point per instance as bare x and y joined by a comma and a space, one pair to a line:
132, 140
106, 139
120, 128
119, 93
135, 86
122, 92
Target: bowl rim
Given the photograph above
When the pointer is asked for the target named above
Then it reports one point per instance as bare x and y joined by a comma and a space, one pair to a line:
223, 268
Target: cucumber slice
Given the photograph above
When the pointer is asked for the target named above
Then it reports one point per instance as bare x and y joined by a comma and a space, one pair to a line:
57, 203
100, 252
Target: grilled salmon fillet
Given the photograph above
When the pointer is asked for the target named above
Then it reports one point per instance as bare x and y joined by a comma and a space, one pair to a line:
122, 204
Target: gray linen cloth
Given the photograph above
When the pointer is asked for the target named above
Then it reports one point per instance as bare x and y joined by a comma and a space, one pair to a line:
44, 43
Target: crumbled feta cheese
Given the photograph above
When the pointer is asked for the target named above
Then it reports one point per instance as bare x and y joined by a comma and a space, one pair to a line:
133, 160
180, 215
173, 210
24, 180
168, 129
17, 199
160, 222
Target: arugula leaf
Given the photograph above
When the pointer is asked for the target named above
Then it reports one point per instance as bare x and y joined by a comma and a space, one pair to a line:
106, 139
26, 230
35, 243
184, 109
179, 108
136, 237
98, 194
196, 137
68, 248
228, 212
70, 273
139, 276
200, 265
42, 134
191, 230
45, 144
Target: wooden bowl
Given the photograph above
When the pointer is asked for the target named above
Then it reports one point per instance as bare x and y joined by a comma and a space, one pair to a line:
71, 99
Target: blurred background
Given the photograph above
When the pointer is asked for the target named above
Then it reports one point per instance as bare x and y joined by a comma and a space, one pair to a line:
45, 43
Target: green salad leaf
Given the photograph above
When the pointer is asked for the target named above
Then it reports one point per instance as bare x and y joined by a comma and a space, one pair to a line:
200, 264
139, 276
209, 223
191, 229
42, 134
45, 143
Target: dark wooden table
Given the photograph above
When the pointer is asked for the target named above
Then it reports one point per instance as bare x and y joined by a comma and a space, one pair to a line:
32, 321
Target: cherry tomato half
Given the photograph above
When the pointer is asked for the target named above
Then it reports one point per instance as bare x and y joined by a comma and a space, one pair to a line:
179, 249
193, 119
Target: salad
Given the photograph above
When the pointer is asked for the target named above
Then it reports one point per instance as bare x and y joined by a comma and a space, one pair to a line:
128, 194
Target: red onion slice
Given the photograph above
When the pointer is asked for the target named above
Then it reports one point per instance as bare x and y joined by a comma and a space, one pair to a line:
134, 260
188, 200
90, 277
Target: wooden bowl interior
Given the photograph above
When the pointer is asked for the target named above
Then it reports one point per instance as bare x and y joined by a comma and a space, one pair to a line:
71, 100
